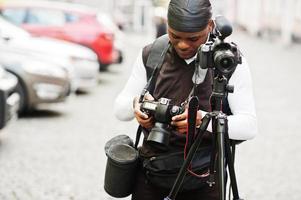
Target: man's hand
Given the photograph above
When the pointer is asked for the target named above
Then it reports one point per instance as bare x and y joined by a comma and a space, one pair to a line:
143, 119
181, 122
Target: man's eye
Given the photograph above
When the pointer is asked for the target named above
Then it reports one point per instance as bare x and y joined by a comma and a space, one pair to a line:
193, 39
175, 37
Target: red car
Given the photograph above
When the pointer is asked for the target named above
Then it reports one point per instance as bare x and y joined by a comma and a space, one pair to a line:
72, 22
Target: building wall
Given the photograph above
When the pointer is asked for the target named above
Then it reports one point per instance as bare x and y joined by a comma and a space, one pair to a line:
282, 17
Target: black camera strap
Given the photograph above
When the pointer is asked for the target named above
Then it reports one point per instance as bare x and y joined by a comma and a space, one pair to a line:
154, 62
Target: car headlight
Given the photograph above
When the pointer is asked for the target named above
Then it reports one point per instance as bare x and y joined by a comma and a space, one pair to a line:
76, 59
84, 63
44, 69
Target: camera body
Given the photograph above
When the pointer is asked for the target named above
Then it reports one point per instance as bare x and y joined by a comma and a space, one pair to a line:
222, 56
162, 111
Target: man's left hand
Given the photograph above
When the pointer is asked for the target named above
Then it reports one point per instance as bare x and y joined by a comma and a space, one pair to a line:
181, 122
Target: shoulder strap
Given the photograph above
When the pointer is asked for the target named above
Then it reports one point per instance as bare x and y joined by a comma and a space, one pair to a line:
153, 65
157, 54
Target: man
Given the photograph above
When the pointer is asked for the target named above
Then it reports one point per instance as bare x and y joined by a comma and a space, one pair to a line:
160, 27
189, 26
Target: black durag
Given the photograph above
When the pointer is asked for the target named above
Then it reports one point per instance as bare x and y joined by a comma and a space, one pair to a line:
189, 15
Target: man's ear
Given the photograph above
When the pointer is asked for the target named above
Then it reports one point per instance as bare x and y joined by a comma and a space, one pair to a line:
211, 25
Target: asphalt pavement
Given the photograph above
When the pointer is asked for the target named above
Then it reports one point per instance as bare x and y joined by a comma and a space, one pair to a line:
57, 152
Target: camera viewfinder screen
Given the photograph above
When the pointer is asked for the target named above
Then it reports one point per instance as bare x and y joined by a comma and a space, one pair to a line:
150, 106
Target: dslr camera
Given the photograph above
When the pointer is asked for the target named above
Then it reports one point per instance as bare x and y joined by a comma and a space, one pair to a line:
162, 111
218, 54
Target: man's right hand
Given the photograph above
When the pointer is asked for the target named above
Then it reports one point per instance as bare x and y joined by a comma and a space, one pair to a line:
143, 119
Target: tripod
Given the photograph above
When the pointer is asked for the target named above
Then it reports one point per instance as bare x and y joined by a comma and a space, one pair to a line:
221, 144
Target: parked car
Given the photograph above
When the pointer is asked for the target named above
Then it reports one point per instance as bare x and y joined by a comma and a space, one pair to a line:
38, 82
9, 99
80, 61
67, 21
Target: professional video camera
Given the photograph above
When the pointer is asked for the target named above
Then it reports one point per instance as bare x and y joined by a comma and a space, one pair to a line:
218, 54
162, 111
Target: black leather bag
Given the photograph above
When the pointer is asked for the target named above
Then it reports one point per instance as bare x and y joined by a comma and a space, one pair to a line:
121, 168
162, 170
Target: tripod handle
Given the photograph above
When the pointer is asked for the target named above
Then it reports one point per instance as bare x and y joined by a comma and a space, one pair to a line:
192, 114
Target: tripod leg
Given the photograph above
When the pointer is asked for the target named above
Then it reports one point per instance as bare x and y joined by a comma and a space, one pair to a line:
220, 130
230, 163
211, 180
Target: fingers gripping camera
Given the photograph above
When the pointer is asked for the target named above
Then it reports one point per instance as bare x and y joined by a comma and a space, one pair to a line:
162, 111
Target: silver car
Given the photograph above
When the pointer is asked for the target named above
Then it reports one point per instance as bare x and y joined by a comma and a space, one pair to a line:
39, 82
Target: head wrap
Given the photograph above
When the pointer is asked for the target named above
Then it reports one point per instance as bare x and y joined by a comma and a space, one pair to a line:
189, 15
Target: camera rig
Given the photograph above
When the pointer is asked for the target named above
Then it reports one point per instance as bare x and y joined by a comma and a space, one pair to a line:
218, 54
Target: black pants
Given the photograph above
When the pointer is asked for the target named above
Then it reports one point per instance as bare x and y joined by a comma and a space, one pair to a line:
145, 191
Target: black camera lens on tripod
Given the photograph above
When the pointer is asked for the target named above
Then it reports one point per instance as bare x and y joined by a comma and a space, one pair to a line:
218, 54
225, 61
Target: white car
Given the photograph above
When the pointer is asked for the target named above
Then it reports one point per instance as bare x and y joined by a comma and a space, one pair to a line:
80, 61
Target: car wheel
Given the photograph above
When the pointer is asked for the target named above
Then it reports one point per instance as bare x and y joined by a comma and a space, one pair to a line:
120, 57
23, 107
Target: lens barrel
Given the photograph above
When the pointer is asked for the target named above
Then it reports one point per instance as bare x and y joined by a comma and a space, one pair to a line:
159, 136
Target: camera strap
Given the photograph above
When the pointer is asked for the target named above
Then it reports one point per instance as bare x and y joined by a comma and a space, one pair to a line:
153, 65
155, 60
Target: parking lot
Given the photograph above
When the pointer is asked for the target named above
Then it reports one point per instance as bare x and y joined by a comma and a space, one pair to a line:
57, 152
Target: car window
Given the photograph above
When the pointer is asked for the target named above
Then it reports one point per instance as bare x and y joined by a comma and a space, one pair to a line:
14, 15
46, 17
71, 17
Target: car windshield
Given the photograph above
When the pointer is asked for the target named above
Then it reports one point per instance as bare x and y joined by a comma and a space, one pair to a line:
16, 15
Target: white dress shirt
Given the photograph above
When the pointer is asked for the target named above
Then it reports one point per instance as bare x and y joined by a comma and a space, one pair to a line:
242, 124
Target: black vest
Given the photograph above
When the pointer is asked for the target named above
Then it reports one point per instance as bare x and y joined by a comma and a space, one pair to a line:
174, 81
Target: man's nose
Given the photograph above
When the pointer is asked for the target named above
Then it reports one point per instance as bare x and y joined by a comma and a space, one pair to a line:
183, 45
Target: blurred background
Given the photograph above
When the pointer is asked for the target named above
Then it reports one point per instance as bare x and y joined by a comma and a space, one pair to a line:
62, 64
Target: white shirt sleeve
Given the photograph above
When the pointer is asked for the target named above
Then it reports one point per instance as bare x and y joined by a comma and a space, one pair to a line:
123, 107
242, 125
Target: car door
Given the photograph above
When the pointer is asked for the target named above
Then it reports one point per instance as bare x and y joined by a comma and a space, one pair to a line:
45, 22
81, 28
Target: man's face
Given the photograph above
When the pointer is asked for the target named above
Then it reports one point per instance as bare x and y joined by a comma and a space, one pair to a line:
186, 44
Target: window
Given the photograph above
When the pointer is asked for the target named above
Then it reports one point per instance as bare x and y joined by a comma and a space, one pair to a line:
46, 17
71, 17
14, 15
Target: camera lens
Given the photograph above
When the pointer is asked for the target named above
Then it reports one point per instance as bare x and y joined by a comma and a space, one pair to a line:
159, 136
224, 61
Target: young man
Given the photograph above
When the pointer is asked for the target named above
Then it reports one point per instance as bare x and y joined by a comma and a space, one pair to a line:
189, 26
